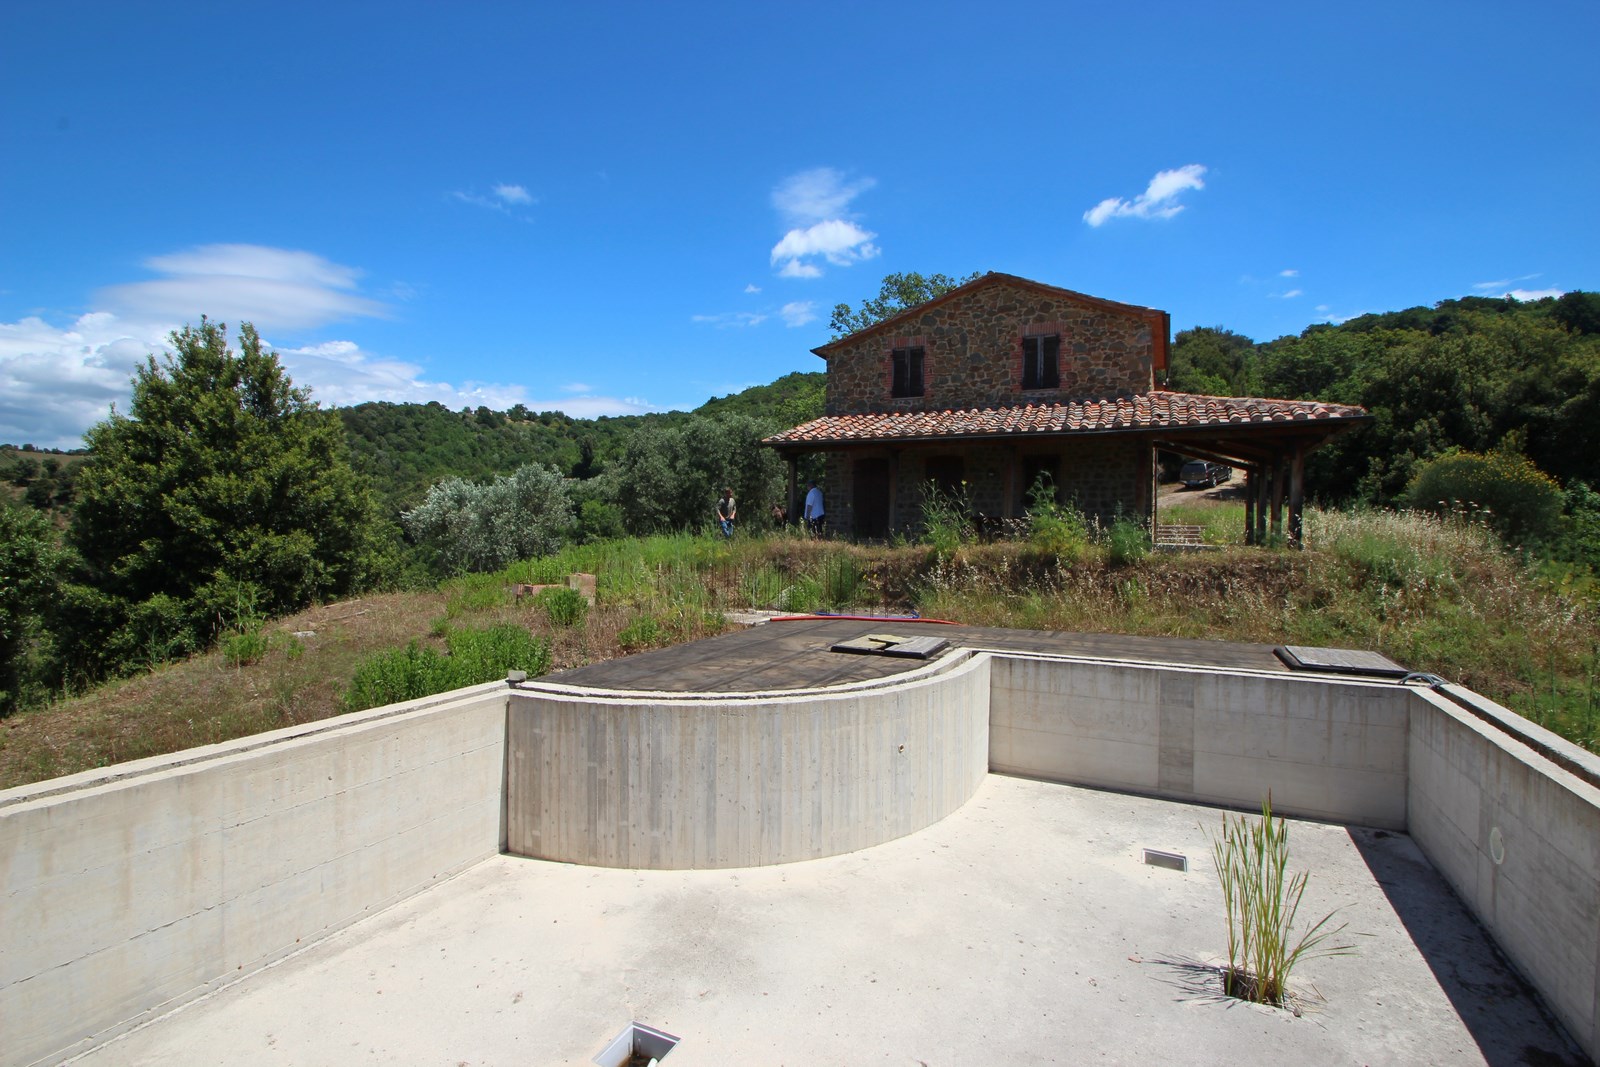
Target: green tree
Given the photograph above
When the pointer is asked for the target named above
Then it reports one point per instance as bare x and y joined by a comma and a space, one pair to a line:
899, 292
669, 477
30, 560
224, 491
473, 527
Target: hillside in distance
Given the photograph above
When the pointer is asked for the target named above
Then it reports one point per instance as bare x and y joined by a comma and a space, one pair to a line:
406, 448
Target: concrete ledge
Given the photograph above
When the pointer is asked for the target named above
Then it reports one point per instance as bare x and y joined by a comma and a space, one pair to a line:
668, 783
131, 890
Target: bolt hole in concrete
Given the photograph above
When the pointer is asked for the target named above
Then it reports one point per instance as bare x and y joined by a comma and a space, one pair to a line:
1172, 861
637, 1046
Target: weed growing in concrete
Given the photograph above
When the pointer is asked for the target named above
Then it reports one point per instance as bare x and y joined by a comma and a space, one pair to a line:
1262, 901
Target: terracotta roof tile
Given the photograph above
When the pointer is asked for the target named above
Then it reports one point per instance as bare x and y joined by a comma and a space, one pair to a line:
1145, 411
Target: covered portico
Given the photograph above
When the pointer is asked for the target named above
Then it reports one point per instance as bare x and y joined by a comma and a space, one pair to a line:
1100, 453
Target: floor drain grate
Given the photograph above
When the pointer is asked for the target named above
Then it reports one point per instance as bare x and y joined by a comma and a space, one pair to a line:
1172, 861
637, 1046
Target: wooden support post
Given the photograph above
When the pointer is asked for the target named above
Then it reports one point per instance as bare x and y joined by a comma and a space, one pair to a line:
1008, 482
1297, 495
793, 503
1251, 486
1149, 488
1277, 497
1263, 491
894, 492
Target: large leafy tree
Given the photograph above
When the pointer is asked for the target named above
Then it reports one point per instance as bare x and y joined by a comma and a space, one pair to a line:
224, 491
30, 561
898, 292
669, 477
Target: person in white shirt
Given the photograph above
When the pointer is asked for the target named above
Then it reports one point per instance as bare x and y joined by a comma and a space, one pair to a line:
814, 513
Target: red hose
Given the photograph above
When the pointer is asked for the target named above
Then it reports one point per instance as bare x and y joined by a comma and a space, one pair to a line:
862, 618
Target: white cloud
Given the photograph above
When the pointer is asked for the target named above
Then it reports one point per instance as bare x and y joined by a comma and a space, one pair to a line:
752, 288
730, 318
577, 387
814, 205
1322, 307
270, 287
56, 382
1534, 294
817, 195
839, 242
799, 312
502, 198
796, 269
1158, 201
1504, 283
1290, 294
1290, 273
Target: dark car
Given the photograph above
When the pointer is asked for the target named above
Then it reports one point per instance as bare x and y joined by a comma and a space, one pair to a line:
1200, 473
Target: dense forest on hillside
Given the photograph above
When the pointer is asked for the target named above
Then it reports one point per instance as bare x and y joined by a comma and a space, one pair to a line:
1476, 374
406, 448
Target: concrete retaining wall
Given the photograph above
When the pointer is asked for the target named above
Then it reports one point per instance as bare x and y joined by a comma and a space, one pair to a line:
1326, 748
761, 778
129, 890
1517, 834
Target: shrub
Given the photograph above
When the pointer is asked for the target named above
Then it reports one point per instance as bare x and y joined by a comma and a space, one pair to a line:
1261, 901
566, 607
642, 632
415, 671
1056, 529
1127, 541
1503, 488
472, 527
946, 524
243, 647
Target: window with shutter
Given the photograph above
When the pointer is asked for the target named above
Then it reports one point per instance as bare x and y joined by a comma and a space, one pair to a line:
906, 379
1041, 357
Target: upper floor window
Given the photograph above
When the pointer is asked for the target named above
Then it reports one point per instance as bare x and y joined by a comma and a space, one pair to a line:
907, 377
1041, 360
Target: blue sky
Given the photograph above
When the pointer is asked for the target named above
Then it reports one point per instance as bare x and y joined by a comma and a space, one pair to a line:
608, 208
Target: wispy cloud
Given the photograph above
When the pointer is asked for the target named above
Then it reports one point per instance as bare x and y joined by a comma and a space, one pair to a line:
1288, 294
752, 288
1289, 273
502, 198
816, 195
271, 287
1504, 283
1158, 201
799, 312
814, 205
1507, 287
726, 319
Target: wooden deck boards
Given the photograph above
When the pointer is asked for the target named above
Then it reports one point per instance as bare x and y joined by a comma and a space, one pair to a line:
795, 655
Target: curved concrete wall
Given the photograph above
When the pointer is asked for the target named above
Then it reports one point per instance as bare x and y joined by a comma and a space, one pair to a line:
666, 783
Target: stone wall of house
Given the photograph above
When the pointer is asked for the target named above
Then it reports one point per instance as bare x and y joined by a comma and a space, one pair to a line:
973, 353
1098, 475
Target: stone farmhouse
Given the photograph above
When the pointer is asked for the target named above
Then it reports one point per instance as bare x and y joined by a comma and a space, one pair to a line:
1003, 380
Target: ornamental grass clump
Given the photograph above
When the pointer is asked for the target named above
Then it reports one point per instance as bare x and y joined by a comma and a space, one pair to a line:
1262, 901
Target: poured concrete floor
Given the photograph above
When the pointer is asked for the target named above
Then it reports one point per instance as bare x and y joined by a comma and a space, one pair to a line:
1022, 929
